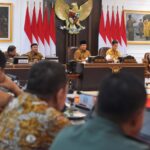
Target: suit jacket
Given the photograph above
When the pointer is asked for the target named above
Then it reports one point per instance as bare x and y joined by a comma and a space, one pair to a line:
97, 134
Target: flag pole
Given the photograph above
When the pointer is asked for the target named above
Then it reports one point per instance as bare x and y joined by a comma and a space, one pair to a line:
27, 3
113, 3
107, 7
52, 4
45, 4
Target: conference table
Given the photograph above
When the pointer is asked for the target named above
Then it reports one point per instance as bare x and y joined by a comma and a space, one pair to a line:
92, 74
88, 75
21, 71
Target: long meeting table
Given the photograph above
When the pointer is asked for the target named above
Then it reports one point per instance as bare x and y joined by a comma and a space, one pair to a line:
91, 74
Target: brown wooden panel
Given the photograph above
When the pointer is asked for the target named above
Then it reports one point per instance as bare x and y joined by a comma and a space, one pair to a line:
97, 72
90, 33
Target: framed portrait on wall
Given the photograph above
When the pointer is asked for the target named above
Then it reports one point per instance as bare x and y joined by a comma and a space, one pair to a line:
6, 14
137, 26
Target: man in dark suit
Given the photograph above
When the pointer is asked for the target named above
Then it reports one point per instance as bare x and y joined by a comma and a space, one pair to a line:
118, 119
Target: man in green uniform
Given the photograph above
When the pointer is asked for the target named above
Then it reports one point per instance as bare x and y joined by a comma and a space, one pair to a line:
130, 28
146, 29
34, 55
117, 122
141, 26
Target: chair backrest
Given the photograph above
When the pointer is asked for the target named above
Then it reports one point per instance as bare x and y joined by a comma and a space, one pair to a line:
102, 51
146, 60
129, 59
147, 57
70, 53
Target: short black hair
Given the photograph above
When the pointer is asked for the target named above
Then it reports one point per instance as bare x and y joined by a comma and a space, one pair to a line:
121, 95
130, 16
114, 42
34, 44
2, 60
46, 78
83, 42
11, 48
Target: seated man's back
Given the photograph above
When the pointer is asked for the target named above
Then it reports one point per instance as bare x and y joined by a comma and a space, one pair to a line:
118, 119
96, 134
32, 120
27, 122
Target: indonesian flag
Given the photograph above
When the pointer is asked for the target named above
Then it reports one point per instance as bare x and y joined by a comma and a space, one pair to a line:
40, 32
117, 29
27, 35
102, 32
46, 33
108, 33
52, 33
112, 28
123, 34
34, 26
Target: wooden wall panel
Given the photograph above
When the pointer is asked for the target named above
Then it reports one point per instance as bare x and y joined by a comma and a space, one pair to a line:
90, 34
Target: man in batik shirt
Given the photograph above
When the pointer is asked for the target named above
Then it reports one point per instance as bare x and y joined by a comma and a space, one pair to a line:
32, 120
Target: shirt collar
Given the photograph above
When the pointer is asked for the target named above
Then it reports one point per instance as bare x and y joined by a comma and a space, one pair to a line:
98, 122
33, 97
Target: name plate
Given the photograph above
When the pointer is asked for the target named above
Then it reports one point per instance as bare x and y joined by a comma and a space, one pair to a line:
99, 61
23, 61
52, 59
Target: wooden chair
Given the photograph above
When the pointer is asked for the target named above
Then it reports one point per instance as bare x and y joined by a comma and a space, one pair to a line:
102, 51
146, 61
129, 59
72, 76
70, 53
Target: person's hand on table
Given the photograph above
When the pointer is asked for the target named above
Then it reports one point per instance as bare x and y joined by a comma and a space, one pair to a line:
10, 85
109, 59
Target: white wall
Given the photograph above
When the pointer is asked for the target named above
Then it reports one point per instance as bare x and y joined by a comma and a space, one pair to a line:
19, 16
19, 9
16, 24
143, 5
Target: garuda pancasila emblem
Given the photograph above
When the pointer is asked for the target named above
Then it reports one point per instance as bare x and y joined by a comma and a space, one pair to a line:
72, 14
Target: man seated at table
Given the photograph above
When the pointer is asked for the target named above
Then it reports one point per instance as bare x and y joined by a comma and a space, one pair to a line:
11, 53
82, 53
34, 55
117, 122
113, 54
6, 84
32, 120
